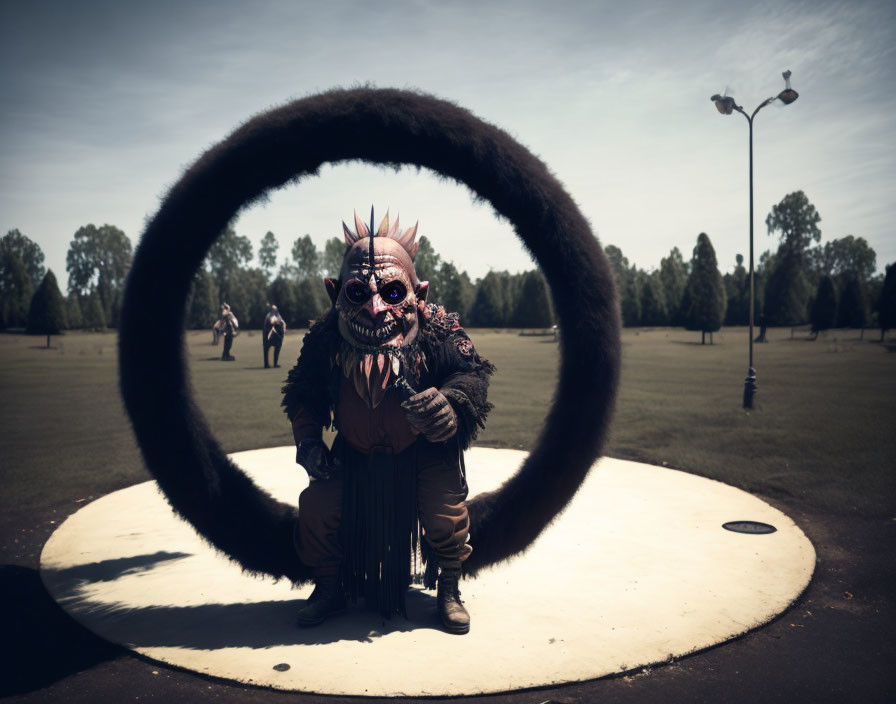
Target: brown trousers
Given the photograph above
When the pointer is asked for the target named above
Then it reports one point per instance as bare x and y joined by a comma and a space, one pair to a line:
441, 506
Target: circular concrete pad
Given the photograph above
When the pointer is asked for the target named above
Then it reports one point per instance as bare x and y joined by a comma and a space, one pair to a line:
636, 571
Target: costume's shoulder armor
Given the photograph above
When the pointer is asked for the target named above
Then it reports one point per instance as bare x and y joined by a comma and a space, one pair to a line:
458, 370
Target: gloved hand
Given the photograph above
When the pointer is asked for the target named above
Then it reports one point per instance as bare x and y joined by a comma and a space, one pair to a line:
314, 456
430, 413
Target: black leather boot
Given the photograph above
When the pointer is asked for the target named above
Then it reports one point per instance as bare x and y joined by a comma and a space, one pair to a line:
452, 613
326, 600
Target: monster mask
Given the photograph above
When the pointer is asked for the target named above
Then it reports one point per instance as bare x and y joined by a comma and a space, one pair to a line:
378, 299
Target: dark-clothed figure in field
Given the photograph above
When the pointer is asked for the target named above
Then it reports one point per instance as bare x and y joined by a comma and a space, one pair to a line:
228, 327
402, 384
272, 335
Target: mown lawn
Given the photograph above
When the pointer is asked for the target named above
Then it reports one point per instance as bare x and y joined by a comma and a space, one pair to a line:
822, 432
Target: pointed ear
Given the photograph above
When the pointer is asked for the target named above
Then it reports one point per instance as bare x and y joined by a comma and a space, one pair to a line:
332, 289
422, 290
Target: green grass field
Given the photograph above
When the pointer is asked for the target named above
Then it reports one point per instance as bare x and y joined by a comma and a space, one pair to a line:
822, 432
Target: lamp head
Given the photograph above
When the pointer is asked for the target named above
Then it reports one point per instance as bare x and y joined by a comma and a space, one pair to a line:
788, 95
724, 104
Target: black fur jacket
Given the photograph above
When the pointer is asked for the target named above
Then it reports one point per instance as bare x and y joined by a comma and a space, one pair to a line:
442, 356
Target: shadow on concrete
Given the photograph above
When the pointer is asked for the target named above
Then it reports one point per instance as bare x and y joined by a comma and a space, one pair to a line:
209, 625
253, 625
110, 570
41, 644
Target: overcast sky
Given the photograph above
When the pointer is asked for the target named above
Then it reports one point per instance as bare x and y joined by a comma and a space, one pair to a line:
105, 103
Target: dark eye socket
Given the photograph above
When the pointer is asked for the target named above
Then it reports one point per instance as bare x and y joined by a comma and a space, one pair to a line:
356, 292
393, 292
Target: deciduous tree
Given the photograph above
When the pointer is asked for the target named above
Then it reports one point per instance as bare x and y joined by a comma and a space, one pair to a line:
796, 220
845, 255
458, 291
267, 253
248, 297
227, 255
427, 264
674, 276
98, 260
787, 287
306, 257
30, 254
202, 304
331, 258
17, 290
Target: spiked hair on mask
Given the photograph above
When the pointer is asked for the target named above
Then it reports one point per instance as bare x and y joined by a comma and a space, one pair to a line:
378, 299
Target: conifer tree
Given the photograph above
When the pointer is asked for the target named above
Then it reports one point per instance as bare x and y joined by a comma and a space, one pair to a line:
488, 310
202, 304
282, 293
457, 291
824, 307
704, 296
47, 312
674, 275
94, 317
853, 309
653, 300
311, 301
73, 315
786, 291
532, 308
886, 307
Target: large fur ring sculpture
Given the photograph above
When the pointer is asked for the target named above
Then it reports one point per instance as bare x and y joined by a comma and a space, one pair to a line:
388, 127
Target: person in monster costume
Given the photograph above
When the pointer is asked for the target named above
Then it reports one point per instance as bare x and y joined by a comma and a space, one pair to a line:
400, 381
272, 335
229, 327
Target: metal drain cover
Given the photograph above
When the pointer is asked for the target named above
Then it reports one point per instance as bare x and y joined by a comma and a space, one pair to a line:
751, 527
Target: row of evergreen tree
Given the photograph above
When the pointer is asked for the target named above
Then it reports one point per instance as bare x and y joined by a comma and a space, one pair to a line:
802, 282
830, 286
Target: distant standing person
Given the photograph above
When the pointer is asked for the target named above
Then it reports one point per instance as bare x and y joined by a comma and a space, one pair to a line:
274, 332
762, 328
230, 328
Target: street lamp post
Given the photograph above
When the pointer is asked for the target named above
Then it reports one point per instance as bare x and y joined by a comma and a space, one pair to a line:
726, 105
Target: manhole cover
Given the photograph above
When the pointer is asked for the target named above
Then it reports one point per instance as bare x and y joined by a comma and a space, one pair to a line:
752, 527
